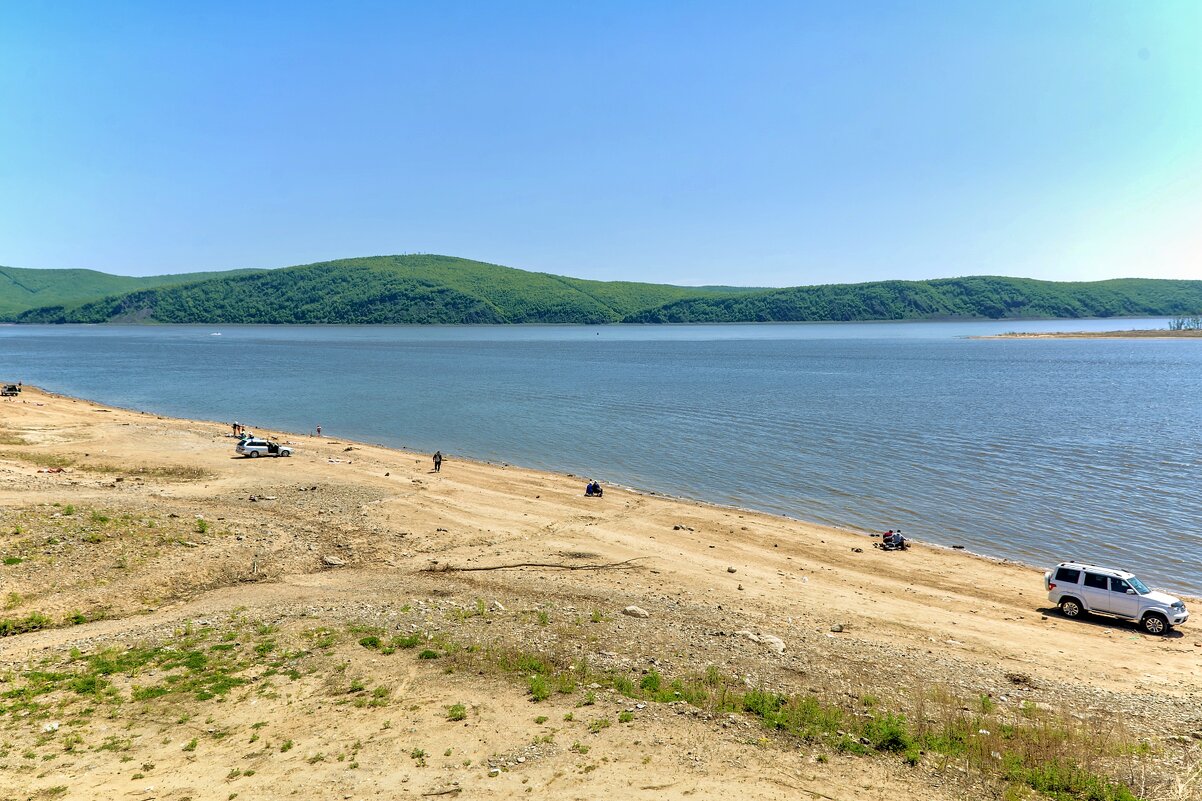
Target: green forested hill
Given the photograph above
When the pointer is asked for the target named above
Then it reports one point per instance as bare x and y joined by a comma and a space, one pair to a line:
382, 289
22, 289
443, 289
944, 298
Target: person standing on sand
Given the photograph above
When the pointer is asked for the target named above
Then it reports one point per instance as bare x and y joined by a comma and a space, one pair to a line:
437, 461
319, 431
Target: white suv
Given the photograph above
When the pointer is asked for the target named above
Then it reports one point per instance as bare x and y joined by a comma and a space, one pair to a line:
260, 447
1078, 588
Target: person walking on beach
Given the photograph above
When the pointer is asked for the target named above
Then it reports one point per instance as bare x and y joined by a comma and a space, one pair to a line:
437, 461
235, 428
319, 431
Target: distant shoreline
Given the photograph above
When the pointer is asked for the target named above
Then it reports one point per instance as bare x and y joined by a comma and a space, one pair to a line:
1137, 334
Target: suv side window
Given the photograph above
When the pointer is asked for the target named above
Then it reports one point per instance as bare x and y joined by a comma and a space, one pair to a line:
1095, 581
1068, 575
1118, 585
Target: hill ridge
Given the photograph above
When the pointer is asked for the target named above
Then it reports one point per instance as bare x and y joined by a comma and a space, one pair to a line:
433, 288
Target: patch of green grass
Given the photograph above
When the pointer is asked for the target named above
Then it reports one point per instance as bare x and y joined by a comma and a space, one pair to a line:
456, 712
13, 560
428, 654
191, 745
31, 622
539, 687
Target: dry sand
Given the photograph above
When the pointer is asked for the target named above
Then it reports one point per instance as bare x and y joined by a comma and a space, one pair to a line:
170, 532
1153, 333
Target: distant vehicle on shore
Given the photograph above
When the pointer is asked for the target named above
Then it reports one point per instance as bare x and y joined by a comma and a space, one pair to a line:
11, 390
255, 447
1078, 588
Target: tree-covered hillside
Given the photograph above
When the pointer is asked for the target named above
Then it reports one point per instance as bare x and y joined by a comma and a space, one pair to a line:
383, 289
443, 289
22, 289
974, 297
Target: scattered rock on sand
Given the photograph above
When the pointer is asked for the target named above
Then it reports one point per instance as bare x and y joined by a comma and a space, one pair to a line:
731, 570
634, 611
838, 627
774, 643
332, 561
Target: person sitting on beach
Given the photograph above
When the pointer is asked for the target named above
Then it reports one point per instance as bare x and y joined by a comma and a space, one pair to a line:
592, 489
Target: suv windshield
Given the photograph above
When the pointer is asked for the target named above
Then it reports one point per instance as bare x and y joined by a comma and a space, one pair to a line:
1138, 586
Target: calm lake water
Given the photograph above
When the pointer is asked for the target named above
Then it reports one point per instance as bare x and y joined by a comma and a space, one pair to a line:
1032, 450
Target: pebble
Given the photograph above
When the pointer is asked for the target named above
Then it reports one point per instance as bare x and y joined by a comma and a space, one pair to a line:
731, 570
635, 611
332, 561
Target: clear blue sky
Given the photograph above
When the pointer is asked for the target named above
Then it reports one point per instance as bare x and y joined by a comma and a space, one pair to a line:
744, 143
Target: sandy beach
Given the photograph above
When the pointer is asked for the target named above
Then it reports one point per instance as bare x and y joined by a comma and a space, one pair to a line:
125, 530
1159, 333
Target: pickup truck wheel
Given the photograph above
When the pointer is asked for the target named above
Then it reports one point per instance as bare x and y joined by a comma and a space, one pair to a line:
254, 454
1071, 607
1154, 624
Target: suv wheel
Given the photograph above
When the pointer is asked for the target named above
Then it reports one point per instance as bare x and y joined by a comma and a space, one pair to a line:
254, 454
1154, 624
1070, 607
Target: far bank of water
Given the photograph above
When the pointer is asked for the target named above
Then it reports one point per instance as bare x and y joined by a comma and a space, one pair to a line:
1036, 450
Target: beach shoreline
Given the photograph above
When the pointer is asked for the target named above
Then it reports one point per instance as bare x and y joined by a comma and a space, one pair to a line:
123, 528
634, 490
1132, 334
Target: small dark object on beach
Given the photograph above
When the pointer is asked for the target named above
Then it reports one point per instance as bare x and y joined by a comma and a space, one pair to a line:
958, 547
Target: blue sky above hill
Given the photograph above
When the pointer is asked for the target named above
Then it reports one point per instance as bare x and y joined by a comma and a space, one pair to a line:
694, 142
